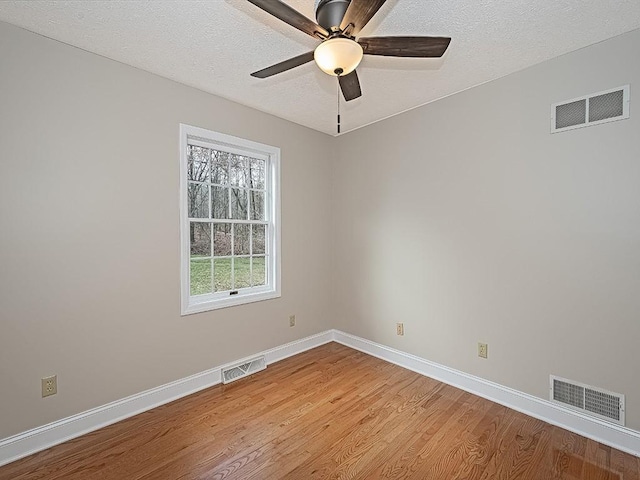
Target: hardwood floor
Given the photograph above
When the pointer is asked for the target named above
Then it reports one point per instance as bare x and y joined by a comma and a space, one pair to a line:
329, 413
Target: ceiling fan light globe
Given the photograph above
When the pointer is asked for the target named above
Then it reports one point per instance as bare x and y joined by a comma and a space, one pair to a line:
337, 54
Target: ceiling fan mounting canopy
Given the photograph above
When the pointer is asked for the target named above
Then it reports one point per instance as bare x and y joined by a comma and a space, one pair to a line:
329, 13
338, 24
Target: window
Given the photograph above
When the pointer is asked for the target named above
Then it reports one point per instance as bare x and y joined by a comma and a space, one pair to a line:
230, 211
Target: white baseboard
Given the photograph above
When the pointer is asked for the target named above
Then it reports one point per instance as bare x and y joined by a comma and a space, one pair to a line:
46, 436
604, 432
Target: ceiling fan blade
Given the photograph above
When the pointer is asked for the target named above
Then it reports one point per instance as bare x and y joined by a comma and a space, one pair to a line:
350, 86
405, 46
291, 16
359, 13
284, 66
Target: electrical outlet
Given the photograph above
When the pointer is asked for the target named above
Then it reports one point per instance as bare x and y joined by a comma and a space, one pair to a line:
483, 350
49, 386
292, 320
399, 328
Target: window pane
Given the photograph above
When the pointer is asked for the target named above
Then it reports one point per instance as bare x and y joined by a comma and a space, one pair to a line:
259, 271
221, 239
221, 274
242, 272
200, 273
239, 172
256, 173
238, 204
198, 163
220, 202
258, 238
200, 239
241, 239
220, 168
257, 205
198, 200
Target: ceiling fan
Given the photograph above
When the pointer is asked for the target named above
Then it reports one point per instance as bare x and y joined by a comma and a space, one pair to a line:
338, 24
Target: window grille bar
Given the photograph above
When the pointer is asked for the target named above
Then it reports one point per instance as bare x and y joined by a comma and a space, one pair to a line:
228, 220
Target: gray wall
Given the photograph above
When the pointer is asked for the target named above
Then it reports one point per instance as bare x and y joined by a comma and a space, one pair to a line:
465, 219
468, 221
89, 237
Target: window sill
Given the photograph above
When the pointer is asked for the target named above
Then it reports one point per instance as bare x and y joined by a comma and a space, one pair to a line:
231, 301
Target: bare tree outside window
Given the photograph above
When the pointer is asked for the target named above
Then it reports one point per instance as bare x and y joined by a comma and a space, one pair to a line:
226, 204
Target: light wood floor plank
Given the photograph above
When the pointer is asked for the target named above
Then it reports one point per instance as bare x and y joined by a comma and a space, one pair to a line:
329, 413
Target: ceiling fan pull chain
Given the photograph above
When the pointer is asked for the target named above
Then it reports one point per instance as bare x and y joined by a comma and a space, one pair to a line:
338, 78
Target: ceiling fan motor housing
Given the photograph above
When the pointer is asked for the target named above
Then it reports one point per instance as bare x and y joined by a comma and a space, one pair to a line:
329, 13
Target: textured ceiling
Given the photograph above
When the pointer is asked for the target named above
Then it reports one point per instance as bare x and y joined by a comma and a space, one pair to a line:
214, 45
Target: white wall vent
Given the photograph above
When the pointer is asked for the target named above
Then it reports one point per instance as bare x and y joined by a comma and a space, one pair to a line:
591, 400
601, 107
236, 372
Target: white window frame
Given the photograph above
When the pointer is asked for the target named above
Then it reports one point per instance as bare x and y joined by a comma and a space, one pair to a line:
190, 304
